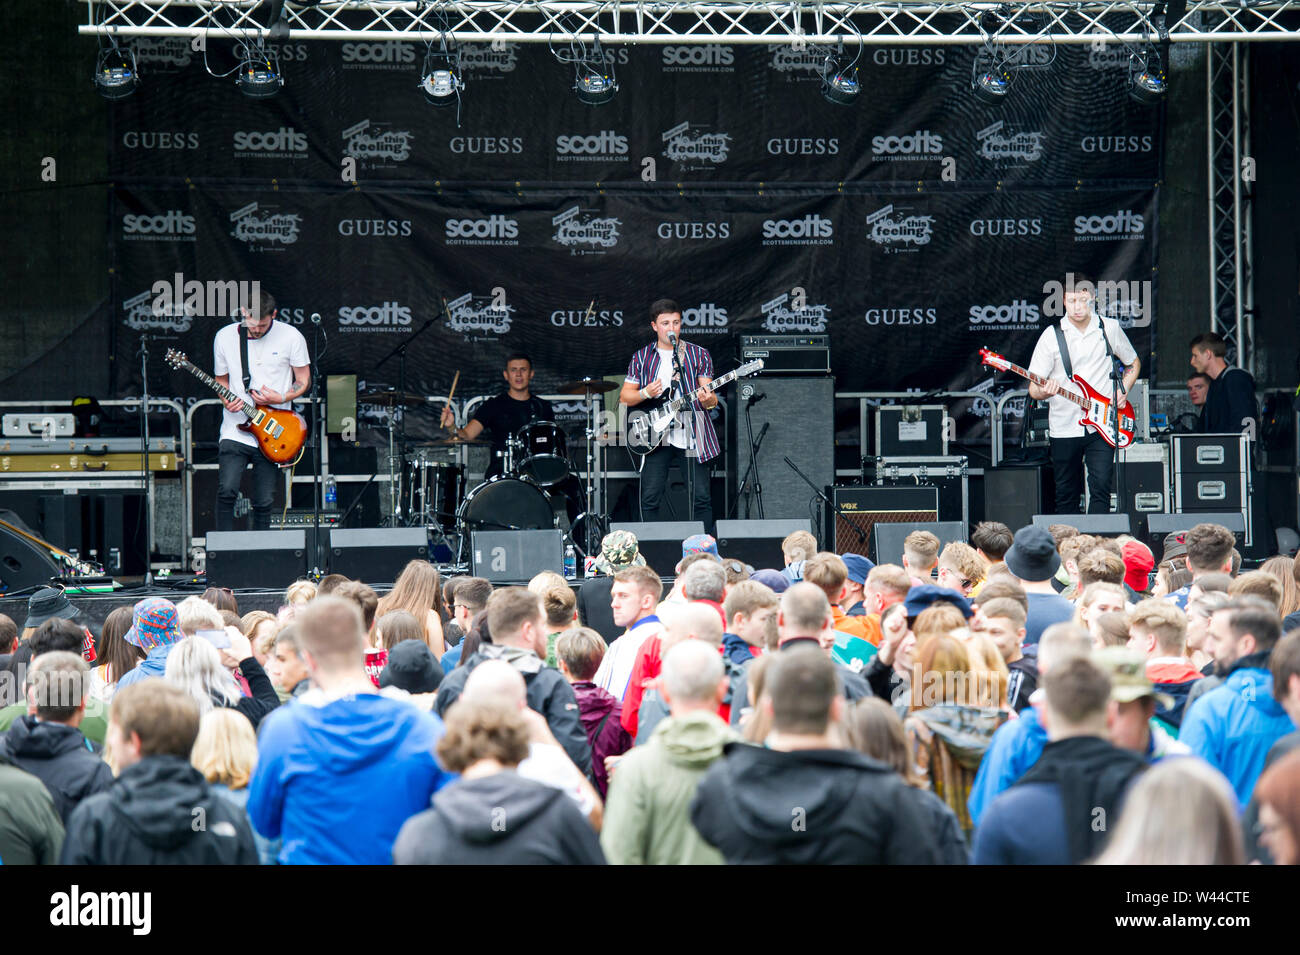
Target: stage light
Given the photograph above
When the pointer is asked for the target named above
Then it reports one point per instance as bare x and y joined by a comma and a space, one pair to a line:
116, 76
594, 81
259, 74
440, 78
839, 80
593, 87
1147, 82
991, 86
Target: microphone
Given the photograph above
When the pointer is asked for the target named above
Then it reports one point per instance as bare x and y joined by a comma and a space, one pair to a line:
672, 339
315, 318
752, 395
762, 431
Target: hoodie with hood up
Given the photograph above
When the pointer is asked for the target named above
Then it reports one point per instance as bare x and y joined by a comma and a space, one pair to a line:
502, 819
149, 816
809, 807
648, 816
336, 778
60, 757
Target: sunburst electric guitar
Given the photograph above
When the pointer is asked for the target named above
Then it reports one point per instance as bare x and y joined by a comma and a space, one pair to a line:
280, 433
1098, 410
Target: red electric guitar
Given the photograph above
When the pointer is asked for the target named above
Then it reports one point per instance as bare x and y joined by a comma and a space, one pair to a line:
280, 433
1098, 410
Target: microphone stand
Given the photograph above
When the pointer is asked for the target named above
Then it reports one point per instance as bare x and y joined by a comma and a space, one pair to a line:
748, 488
144, 460
688, 459
395, 466
838, 512
318, 428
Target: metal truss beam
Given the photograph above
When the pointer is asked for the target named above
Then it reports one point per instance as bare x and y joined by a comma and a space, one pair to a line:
933, 22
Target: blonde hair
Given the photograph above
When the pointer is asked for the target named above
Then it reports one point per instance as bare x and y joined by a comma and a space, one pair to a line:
417, 590
226, 748
1091, 592
544, 581
195, 613
1283, 568
991, 675
195, 666
1162, 618
963, 560
1180, 812
798, 546
300, 592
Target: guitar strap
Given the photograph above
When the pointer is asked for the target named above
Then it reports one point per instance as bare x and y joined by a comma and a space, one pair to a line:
1064, 349
243, 356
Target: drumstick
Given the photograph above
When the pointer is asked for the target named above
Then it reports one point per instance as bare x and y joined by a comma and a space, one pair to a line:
455, 431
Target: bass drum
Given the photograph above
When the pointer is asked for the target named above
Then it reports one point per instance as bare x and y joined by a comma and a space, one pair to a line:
506, 503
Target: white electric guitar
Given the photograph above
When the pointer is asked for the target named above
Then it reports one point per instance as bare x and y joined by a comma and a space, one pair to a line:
646, 426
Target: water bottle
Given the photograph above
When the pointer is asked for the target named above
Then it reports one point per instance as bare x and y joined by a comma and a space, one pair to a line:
570, 563
331, 493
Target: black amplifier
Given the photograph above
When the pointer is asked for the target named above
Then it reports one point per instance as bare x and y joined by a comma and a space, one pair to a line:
788, 354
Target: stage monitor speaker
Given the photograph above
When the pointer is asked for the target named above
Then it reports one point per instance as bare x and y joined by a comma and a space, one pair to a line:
514, 557
23, 564
801, 420
858, 509
262, 560
1161, 525
887, 538
376, 555
757, 543
661, 543
1100, 525
1012, 496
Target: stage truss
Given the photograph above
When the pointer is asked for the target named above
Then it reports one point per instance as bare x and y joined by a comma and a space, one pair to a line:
621, 21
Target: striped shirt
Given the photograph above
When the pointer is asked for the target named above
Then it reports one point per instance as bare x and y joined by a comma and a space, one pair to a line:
697, 363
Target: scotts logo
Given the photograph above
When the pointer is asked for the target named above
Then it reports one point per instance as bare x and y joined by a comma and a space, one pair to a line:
598, 146
907, 56
362, 142
807, 146
706, 318
1017, 56
902, 316
587, 317
1121, 225
1006, 227
1116, 144
810, 230
1109, 58
172, 226
698, 59
804, 62
997, 145
780, 316
918, 145
388, 55
698, 147
697, 231
285, 142
390, 316
481, 58
162, 51
1019, 314
573, 230
488, 230
895, 232
142, 315
266, 230
480, 314
150, 139
486, 145
374, 228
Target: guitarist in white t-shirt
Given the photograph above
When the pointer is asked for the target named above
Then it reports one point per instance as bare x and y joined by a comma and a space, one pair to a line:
279, 372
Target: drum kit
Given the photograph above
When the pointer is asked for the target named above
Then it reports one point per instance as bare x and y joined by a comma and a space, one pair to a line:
537, 486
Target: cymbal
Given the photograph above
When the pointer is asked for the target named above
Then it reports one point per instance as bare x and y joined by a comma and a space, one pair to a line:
451, 443
391, 398
587, 386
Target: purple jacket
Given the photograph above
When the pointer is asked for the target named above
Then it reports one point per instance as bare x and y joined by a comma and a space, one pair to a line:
601, 714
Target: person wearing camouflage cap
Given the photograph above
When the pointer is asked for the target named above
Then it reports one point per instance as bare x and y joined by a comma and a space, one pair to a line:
1131, 716
618, 551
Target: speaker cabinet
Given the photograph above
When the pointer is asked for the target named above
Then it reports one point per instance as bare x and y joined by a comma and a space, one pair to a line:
1100, 525
1161, 525
515, 557
1012, 496
376, 555
661, 543
858, 509
887, 538
801, 427
262, 560
22, 563
757, 543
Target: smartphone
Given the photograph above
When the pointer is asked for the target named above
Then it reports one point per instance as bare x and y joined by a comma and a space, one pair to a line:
218, 638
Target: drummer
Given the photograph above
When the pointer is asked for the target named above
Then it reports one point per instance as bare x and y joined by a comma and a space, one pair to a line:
503, 415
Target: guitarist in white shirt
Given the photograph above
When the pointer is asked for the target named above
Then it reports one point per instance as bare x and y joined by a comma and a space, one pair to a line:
1073, 446
280, 372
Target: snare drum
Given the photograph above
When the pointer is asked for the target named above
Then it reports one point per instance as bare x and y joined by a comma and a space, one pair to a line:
433, 490
543, 452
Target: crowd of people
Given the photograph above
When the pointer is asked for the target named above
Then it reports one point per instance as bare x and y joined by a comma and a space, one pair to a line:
1042, 697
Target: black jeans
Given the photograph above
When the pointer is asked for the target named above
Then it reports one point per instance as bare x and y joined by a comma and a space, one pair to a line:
1069, 455
232, 458
654, 482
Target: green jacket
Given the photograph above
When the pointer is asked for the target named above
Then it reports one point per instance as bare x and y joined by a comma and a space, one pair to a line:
31, 832
647, 815
94, 726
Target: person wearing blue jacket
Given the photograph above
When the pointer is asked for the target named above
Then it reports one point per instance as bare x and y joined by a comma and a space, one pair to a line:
341, 768
1233, 726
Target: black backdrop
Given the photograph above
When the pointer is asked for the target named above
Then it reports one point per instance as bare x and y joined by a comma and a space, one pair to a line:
913, 228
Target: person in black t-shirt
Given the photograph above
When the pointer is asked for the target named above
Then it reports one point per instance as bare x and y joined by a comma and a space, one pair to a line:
1230, 404
505, 414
